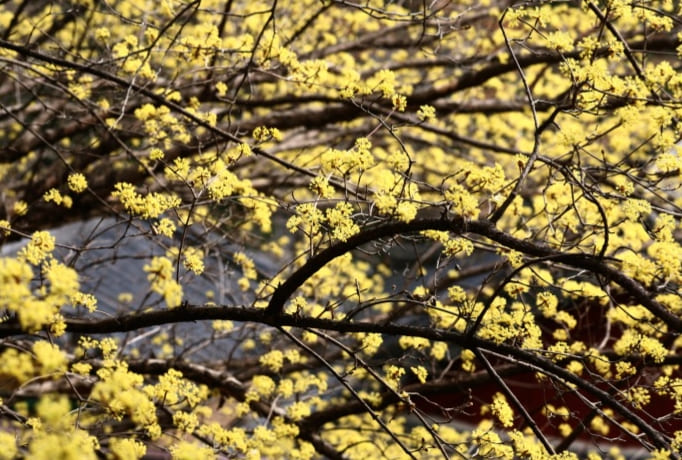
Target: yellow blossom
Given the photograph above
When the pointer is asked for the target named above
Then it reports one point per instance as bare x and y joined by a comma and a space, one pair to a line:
420, 372
184, 450
193, 260
399, 102
161, 272
273, 359
39, 248
262, 386
20, 208
221, 89
185, 421
54, 196
500, 408
5, 227
49, 357
77, 182
426, 113
126, 449
8, 446
298, 410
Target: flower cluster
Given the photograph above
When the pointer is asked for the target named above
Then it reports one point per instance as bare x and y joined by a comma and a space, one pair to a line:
162, 281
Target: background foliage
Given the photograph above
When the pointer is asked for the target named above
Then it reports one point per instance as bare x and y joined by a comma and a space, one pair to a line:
305, 229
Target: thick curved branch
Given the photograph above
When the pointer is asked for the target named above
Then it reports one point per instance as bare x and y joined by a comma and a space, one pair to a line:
458, 225
524, 358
